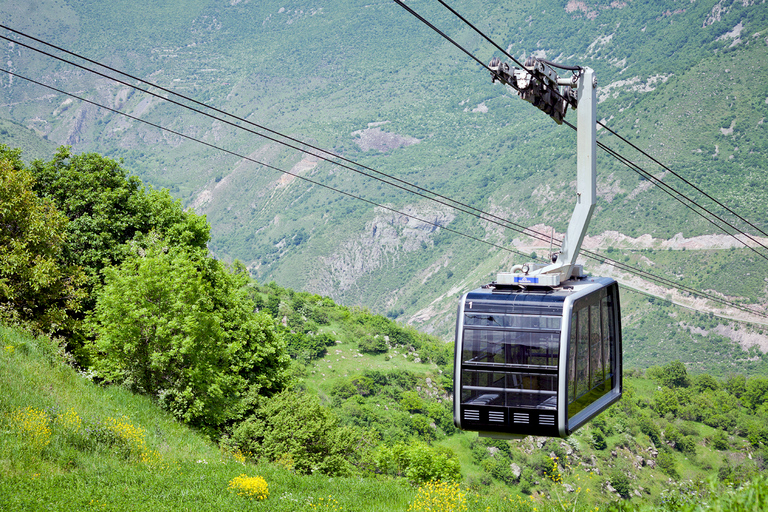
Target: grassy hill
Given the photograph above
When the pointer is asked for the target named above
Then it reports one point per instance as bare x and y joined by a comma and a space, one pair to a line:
67, 443
367, 80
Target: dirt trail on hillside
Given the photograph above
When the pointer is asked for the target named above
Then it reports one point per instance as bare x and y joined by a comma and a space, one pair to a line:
620, 241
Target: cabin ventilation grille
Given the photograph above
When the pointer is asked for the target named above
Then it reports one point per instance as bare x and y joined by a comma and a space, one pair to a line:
519, 417
547, 419
472, 415
496, 416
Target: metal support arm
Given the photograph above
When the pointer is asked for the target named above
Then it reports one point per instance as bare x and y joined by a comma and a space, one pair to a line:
564, 266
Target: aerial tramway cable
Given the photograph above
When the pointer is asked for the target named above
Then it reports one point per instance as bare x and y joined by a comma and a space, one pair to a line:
601, 259
233, 153
615, 154
461, 207
489, 217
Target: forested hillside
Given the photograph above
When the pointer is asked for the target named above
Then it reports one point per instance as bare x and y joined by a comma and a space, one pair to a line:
161, 360
370, 82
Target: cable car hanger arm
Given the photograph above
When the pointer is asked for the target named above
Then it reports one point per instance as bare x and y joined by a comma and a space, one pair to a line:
539, 84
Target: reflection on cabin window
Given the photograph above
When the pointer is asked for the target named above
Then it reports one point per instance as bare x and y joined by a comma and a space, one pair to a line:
510, 368
590, 358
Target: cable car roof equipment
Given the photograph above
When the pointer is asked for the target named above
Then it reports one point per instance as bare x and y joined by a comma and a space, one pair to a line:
538, 351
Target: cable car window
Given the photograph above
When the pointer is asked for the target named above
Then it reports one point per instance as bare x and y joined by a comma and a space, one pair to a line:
483, 388
582, 352
595, 347
607, 313
517, 321
572, 361
494, 347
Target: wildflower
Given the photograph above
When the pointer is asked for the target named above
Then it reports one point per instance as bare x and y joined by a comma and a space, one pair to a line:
439, 496
249, 487
33, 425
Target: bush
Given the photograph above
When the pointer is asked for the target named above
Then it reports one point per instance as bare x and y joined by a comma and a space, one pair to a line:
667, 464
418, 462
372, 345
293, 427
620, 482
720, 441
598, 440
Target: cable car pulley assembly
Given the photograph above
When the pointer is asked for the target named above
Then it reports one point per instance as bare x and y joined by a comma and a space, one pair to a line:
538, 351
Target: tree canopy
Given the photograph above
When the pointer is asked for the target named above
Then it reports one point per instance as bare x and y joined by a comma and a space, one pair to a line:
37, 287
177, 325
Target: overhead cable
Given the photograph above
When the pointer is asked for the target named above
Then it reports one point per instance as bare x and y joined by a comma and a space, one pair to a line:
233, 153
488, 217
615, 154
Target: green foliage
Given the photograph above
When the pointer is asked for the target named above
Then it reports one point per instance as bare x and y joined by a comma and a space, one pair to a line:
705, 382
751, 495
598, 440
667, 464
307, 346
621, 483
675, 375
107, 208
418, 462
38, 287
650, 428
719, 440
411, 401
372, 345
176, 325
294, 429
499, 468
756, 392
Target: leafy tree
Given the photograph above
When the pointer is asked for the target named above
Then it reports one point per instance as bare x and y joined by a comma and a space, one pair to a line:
108, 208
675, 375
176, 325
705, 382
756, 393
736, 385
666, 401
37, 287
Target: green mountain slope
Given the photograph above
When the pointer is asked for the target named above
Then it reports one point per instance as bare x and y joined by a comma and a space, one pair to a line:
369, 81
67, 443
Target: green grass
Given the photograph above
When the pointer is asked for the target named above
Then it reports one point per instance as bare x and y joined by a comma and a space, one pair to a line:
187, 473
153, 462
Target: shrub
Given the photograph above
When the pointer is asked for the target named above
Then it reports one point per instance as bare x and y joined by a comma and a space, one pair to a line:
667, 464
719, 440
598, 440
295, 425
372, 345
178, 326
620, 482
418, 462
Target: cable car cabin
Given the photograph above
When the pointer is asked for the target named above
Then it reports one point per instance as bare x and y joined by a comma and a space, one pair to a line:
537, 362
